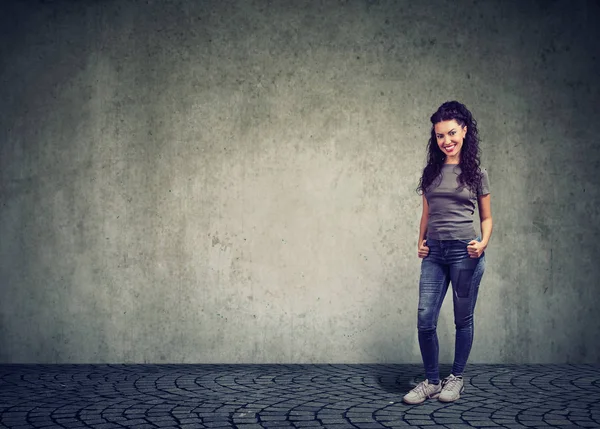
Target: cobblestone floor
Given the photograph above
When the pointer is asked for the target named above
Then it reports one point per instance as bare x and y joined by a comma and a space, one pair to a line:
296, 396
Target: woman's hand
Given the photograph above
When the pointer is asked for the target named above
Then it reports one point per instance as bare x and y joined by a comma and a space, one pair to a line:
475, 249
423, 249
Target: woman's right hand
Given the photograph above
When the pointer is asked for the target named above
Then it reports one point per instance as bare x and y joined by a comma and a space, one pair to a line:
423, 249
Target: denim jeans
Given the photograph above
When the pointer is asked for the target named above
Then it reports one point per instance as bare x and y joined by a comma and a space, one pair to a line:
447, 262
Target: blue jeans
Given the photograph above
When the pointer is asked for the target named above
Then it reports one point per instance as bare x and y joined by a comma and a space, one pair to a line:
447, 261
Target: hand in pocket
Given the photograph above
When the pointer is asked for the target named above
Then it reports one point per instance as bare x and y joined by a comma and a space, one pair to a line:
475, 249
423, 250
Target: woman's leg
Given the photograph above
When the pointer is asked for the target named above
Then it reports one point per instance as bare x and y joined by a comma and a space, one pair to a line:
466, 276
433, 286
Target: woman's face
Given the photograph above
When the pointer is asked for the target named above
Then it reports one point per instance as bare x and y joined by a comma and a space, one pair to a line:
450, 136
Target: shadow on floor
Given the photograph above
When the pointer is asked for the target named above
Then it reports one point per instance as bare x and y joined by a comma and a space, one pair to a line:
399, 379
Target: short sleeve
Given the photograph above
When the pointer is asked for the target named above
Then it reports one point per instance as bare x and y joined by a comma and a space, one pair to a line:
484, 188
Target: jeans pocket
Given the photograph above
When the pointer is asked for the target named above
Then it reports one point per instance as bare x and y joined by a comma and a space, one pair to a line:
469, 240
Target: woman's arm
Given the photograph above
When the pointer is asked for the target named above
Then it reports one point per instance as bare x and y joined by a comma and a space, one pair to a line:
485, 216
424, 220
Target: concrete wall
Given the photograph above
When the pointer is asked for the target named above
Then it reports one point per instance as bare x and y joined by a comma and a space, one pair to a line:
234, 181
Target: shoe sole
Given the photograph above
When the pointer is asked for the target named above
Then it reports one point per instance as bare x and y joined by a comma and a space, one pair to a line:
436, 396
452, 400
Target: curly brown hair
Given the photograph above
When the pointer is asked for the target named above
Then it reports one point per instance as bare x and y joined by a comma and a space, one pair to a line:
470, 174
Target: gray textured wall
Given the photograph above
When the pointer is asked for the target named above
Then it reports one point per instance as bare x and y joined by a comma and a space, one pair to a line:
234, 181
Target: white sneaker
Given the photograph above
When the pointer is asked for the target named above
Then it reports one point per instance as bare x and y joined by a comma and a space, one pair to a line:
423, 391
452, 387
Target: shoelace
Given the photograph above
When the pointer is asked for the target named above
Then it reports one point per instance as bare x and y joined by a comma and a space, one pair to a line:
450, 383
422, 389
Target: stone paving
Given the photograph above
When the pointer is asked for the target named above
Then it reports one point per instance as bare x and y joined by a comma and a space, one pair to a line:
292, 396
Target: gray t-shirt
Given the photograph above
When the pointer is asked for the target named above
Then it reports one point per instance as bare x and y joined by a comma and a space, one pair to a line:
451, 206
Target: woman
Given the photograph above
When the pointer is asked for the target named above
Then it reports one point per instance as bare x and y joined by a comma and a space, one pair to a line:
451, 184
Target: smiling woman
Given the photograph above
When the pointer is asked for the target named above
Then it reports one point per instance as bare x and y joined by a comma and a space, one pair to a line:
452, 184
450, 136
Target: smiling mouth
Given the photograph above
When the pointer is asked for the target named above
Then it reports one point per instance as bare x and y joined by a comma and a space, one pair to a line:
449, 148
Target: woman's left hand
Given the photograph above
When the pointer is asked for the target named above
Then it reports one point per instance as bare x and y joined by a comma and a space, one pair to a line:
475, 249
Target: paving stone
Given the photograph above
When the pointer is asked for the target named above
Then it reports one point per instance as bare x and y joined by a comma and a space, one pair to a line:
505, 421
339, 420
530, 418
485, 425
216, 424
372, 425
277, 424
266, 418
475, 417
458, 426
448, 421
297, 418
302, 396
586, 424
107, 426
141, 426
419, 410
190, 421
